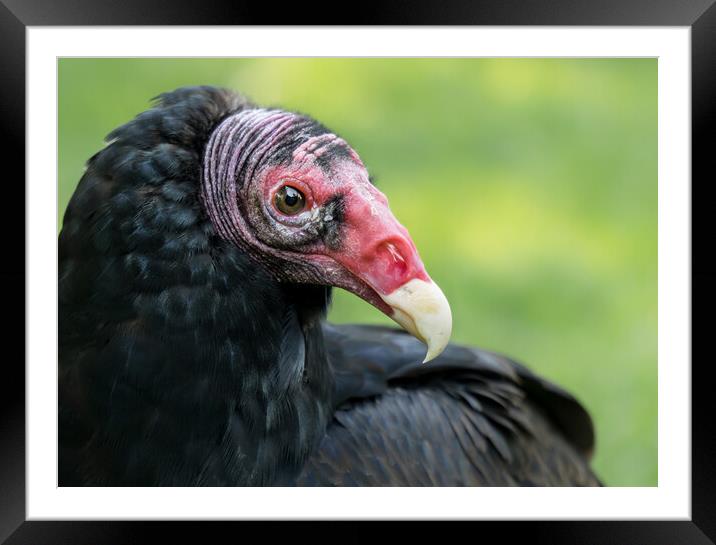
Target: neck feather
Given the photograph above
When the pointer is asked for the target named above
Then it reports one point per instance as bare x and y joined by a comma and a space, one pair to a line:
203, 369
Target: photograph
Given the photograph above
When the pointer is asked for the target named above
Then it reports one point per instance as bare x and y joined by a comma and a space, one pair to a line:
438, 267
357, 272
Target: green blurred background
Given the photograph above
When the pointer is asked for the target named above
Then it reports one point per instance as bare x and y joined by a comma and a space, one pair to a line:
528, 185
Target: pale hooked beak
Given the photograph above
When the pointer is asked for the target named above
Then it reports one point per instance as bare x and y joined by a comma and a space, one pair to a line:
422, 309
378, 251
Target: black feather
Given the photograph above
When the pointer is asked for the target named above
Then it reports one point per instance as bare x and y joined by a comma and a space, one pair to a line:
479, 418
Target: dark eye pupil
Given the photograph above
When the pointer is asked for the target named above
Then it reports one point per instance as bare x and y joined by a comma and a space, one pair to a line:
289, 200
292, 197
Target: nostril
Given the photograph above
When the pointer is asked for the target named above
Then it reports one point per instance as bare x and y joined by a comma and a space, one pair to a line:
393, 251
394, 264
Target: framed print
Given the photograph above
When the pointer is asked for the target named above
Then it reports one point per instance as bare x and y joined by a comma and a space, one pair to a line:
545, 172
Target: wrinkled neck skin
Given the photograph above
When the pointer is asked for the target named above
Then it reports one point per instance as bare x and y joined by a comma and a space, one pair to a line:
215, 357
238, 154
238, 148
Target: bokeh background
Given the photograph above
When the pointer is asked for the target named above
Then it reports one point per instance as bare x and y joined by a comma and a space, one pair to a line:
528, 185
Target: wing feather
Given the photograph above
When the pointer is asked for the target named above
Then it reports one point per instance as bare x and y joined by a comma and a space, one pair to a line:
470, 417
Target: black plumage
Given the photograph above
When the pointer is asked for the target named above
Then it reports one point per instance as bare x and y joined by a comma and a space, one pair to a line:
184, 361
470, 417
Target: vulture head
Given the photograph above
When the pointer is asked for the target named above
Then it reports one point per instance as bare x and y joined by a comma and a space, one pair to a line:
299, 200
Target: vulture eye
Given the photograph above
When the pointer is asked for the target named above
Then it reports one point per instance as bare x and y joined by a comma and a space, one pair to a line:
290, 200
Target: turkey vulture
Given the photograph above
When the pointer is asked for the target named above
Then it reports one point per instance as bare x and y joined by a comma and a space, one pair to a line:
196, 261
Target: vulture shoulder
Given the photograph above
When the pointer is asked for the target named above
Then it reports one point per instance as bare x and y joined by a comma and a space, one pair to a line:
469, 417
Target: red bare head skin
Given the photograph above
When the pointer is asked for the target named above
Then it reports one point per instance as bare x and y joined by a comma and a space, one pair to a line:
373, 246
337, 231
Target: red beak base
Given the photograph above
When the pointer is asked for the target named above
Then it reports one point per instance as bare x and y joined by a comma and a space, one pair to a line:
379, 252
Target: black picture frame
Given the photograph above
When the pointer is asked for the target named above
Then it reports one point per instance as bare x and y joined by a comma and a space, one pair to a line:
16, 15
